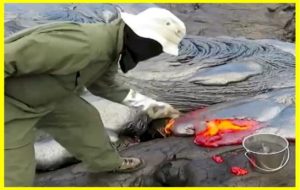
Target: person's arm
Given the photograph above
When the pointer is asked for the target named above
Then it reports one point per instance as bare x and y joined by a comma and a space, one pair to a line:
107, 87
57, 49
153, 108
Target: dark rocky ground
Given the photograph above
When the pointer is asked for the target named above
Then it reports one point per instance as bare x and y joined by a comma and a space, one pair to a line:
254, 21
177, 161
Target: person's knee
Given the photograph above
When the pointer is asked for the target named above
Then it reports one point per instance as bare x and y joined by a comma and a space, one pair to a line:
81, 112
92, 116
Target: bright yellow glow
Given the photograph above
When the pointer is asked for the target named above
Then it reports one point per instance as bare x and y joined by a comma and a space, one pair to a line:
218, 125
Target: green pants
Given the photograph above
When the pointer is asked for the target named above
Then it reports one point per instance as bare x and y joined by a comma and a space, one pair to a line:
73, 122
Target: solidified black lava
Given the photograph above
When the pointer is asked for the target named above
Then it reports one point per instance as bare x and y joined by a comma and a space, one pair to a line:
213, 70
175, 161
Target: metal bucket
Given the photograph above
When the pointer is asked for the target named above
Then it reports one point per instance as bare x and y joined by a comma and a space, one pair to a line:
267, 152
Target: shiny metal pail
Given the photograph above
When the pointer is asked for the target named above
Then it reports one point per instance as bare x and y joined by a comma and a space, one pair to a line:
267, 152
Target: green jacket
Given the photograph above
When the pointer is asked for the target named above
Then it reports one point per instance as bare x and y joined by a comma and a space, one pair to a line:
67, 54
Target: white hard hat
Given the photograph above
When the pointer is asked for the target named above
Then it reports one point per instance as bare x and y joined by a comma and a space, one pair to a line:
157, 24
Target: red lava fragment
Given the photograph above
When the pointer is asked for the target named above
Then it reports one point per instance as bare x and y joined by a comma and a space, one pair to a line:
225, 132
218, 159
235, 170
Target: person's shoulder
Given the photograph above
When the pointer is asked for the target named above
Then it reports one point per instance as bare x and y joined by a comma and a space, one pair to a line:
43, 29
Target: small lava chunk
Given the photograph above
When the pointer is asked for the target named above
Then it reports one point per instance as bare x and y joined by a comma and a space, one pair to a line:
218, 159
235, 170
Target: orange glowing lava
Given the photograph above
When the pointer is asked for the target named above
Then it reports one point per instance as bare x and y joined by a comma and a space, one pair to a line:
218, 126
219, 132
169, 126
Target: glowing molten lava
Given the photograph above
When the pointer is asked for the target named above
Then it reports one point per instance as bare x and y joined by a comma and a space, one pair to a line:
217, 126
235, 170
169, 126
225, 132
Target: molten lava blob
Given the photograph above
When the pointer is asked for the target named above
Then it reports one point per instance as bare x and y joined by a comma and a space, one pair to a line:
220, 132
169, 126
235, 170
218, 159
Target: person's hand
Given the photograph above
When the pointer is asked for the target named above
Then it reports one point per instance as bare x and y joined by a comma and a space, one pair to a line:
158, 110
154, 109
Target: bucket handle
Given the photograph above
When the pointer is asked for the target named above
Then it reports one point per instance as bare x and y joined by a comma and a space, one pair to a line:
270, 170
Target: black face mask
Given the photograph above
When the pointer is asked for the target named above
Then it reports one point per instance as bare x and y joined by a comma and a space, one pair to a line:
137, 49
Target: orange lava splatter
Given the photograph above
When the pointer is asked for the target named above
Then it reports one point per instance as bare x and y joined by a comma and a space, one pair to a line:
169, 126
218, 159
225, 132
217, 126
235, 170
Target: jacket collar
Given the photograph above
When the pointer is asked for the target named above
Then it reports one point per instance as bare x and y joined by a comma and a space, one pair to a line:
120, 41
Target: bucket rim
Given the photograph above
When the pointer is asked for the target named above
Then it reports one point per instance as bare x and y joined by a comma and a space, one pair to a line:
262, 153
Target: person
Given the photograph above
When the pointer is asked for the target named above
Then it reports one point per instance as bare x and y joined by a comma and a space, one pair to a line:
46, 65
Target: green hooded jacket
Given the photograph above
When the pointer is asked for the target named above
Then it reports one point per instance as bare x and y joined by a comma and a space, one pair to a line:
47, 62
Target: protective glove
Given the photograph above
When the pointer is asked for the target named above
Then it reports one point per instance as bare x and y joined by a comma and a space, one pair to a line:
154, 109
